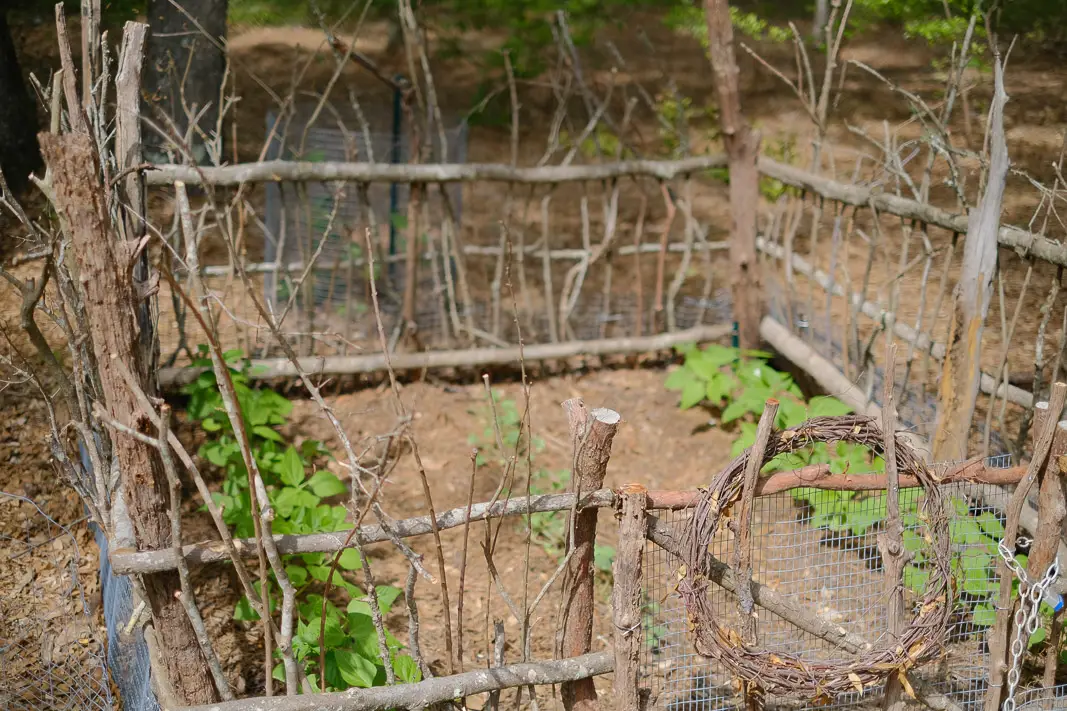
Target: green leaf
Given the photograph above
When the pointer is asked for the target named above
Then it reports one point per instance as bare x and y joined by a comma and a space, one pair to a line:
215, 453
298, 575
603, 557
319, 572
915, 578
292, 467
243, 612
692, 394
278, 672
791, 413
991, 524
759, 355
1038, 636
718, 388
913, 542
734, 410
362, 635
823, 406
358, 607
325, 484
678, 378
290, 499
267, 433
406, 669
964, 531
355, 669
349, 559
985, 615
387, 595
333, 635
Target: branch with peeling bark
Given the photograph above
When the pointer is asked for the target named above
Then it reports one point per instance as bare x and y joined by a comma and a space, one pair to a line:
817, 476
424, 693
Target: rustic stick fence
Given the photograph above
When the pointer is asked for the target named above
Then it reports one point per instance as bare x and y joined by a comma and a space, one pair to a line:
629, 584
584, 279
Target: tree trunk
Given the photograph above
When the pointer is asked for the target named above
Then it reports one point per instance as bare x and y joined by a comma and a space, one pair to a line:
742, 149
185, 71
111, 300
20, 154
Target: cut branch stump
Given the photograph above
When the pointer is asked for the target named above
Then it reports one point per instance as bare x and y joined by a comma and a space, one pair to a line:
592, 433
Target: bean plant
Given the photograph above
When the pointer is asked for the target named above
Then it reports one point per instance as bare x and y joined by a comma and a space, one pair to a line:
306, 499
547, 529
736, 384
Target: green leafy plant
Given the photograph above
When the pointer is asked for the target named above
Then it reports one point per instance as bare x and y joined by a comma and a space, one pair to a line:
548, 529
299, 491
738, 383
655, 633
688, 17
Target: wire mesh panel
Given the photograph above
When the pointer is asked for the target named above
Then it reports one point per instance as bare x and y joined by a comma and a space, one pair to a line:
819, 549
50, 654
325, 225
127, 652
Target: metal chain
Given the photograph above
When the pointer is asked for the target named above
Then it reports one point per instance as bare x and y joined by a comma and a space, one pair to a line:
1026, 617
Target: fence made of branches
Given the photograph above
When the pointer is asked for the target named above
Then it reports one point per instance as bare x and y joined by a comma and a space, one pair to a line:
316, 268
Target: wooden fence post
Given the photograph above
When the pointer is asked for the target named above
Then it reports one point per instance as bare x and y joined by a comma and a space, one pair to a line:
891, 542
626, 595
1051, 512
110, 304
591, 433
742, 149
1045, 427
961, 371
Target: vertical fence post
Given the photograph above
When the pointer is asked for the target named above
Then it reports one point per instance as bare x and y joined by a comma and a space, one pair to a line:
742, 148
1051, 511
592, 432
742, 563
111, 301
961, 372
891, 543
1045, 426
626, 595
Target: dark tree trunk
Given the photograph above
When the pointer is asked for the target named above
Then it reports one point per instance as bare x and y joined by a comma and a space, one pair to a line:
19, 153
184, 71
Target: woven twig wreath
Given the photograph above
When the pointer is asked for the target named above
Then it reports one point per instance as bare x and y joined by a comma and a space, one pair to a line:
785, 675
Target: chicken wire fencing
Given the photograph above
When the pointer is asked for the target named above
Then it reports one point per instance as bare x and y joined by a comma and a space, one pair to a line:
326, 224
917, 404
127, 651
818, 548
51, 654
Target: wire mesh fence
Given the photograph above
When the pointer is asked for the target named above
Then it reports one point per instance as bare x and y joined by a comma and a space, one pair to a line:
819, 549
51, 655
325, 224
127, 652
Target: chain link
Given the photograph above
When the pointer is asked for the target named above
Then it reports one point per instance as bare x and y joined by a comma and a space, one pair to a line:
1026, 617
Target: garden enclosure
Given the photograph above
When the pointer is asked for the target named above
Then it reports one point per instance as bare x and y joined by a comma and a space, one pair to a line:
595, 252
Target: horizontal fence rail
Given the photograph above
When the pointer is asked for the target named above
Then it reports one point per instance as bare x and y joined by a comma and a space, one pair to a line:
816, 476
431, 691
269, 368
855, 195
324, 172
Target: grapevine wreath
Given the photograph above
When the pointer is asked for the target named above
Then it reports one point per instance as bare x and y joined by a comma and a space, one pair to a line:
786, 675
